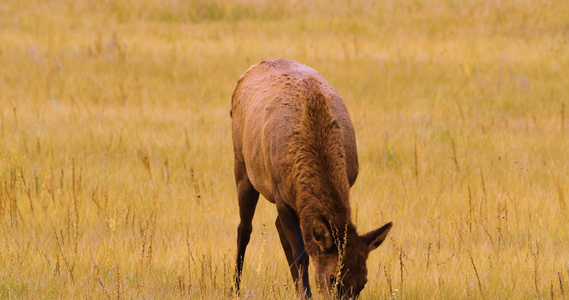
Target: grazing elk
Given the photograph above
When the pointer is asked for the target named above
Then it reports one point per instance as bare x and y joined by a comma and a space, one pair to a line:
294, 144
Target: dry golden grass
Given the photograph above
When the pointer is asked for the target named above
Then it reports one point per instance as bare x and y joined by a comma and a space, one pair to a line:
116, 157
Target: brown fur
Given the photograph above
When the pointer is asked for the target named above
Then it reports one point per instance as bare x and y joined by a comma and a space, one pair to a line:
294, 143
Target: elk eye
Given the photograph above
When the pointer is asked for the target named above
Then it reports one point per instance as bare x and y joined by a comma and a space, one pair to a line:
332, 279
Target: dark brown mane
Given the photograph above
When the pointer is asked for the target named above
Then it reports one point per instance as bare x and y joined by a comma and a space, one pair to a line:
318, 165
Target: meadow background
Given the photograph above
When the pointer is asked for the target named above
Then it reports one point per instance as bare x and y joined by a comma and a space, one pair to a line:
116, 158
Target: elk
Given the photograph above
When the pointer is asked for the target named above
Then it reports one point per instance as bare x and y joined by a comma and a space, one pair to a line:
294, 143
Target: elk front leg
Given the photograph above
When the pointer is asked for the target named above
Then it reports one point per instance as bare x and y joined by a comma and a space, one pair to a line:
290, 227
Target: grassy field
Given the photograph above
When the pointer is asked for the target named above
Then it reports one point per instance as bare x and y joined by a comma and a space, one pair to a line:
116, 158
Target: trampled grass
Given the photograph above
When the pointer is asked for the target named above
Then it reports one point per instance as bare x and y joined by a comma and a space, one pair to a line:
116, 154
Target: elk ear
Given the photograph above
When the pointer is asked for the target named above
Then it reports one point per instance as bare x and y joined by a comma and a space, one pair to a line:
374, 238
322, 234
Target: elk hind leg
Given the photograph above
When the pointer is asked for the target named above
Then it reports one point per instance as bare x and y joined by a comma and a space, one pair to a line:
248, 197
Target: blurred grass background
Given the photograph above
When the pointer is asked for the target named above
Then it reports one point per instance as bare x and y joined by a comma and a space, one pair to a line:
116, 158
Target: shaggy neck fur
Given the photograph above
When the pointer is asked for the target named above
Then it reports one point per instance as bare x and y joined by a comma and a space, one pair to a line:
318, 171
